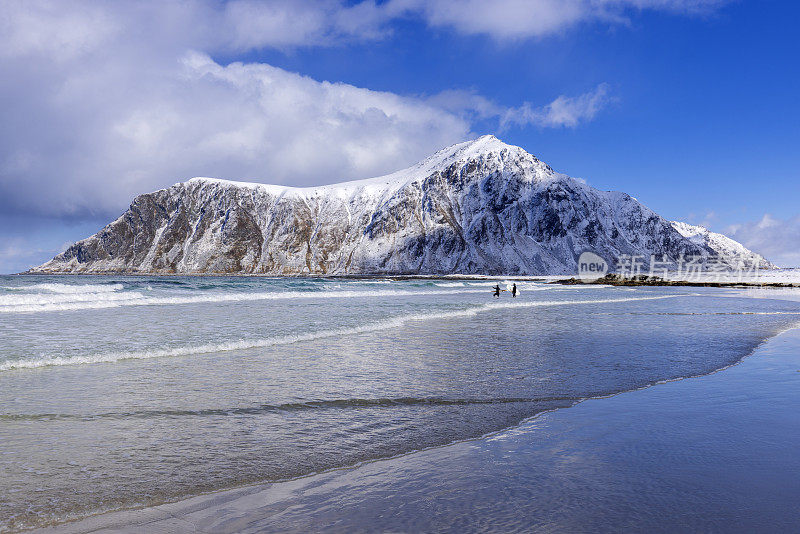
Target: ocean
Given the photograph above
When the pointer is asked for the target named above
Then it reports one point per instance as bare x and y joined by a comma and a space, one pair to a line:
120, 392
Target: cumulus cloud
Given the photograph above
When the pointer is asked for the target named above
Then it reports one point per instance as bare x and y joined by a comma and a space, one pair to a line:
68, 28
282, 23
776, 239
105, 134
104, 101
521, 19
564, 111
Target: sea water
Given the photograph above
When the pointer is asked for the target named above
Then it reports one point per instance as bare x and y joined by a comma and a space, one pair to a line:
119, 392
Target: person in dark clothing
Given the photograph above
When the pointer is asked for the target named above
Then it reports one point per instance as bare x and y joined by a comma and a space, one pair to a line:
514, 290
497, 290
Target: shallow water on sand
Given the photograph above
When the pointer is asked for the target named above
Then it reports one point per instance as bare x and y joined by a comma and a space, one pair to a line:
129, 391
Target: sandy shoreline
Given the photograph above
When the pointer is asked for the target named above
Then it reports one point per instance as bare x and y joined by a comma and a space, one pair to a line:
708, 453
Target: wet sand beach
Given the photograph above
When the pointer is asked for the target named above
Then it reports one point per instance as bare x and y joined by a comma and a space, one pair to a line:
715, 453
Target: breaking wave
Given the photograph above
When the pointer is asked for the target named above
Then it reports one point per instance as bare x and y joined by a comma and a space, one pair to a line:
68, 289
40, 302
244, 344
59, 301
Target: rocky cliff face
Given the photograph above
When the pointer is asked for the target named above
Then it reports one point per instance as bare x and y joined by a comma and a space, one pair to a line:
476, 207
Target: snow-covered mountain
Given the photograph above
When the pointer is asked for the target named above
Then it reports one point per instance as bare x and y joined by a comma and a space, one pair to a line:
721, 244
476, 207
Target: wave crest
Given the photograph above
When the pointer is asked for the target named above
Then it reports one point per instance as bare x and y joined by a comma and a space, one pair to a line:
87, 301
245, 344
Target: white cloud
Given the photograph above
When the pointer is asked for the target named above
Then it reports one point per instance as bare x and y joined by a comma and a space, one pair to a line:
504, 19
18, 254
110, 131
68, 28
58, 30
702, 220
65, 29
283, 23
522, 19
466, 103
564, 111
776, 239
103, 101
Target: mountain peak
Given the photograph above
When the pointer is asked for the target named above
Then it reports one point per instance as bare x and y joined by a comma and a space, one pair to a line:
475, 148
466, 150
489, 139
484, 144
480, 206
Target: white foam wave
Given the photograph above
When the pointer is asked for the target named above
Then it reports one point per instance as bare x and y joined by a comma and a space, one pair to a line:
68, 288
533, 287
244, 344
522, 286
450, 284
46, 303
33, 302
584, 286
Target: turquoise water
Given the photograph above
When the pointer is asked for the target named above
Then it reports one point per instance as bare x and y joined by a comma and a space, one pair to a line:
128, 391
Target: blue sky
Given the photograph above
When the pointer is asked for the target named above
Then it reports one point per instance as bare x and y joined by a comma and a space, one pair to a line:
688, 105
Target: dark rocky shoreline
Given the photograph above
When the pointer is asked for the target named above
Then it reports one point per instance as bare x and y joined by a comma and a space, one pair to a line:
616, 280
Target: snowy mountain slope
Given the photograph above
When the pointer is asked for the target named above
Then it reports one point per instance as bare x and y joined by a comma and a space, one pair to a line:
723, 245
476, 207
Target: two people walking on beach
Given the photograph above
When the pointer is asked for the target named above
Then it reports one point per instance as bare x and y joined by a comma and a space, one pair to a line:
497, 290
